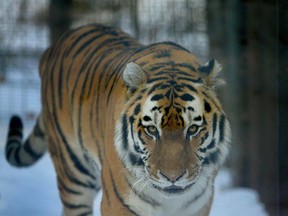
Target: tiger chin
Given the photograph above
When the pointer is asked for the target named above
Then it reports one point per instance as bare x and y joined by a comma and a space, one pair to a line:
141, 122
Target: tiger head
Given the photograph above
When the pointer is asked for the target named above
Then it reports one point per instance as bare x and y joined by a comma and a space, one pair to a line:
173, 132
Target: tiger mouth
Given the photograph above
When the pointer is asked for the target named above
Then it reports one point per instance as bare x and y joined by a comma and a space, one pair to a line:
174, 189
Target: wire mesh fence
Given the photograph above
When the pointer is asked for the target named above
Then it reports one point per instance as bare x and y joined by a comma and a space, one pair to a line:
240, 34
28, 27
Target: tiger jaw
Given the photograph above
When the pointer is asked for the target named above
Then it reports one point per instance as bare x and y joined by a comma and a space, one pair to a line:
174, 189
178, 186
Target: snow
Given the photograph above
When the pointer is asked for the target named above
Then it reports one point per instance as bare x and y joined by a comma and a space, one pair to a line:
33, 190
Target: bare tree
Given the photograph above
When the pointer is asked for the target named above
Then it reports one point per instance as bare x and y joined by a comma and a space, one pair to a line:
245, 37
283, 105
60, 18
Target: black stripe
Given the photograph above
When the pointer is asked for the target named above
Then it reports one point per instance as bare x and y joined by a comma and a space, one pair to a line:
187, 97
66, 188
137, 148
131, 122
214, 123
135, 160
122, 58
86, 213
168, 43
147, 118
117, 74
168, 94
119, 197
164, 63
199, 80
28, 149
136, 100
82, 169
96, 141
88, 60
143, 197
79, 38
74, 206
66, 168
221, 128
77, 163
211, 100
212, 157
202, 150
183, 73
191, 88
154, 88
10, 149
105, 193
124, 132
211, 144
87, 43
140, 138
163, 54
157, 97
162, 73
165, 86
204, 138
103, 75
190, 202
15, 132
198, 118
207, 106
17, 155
185, 65
137, 109
13, 142
71, 176
157, 79
155, 67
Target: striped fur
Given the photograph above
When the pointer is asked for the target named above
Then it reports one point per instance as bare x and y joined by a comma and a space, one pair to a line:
141, 122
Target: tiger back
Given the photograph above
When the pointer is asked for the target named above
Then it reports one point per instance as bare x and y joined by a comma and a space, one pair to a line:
141, 122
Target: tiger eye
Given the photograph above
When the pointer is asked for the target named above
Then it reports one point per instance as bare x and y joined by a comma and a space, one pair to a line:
193, 129
152, 129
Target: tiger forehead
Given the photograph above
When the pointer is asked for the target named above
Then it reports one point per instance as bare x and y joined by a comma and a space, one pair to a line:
173, 108
166, 113
172, 119
172, 92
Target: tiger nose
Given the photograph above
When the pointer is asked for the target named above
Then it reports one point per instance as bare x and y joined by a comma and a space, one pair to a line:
172, 176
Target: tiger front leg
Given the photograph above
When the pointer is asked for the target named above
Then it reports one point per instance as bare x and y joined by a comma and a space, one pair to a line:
77, 183
77, 200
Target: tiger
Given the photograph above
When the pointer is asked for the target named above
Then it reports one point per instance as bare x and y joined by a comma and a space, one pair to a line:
140, 122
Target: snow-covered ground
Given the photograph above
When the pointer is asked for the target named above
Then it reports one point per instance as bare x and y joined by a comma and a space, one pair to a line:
33, 191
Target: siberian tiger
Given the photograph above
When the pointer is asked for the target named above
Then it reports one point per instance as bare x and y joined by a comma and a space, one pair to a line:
141, 122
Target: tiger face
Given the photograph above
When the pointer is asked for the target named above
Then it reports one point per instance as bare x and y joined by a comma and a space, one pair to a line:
173, 131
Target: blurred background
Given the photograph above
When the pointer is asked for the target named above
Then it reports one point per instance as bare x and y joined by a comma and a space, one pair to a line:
248, 37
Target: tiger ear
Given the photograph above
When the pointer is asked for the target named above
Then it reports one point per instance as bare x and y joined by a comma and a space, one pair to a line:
134, 76
210, 72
